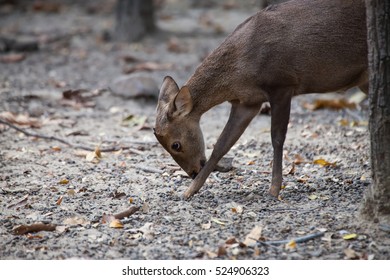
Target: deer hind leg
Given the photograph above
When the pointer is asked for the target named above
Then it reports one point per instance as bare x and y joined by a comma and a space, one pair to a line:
239, 119
280, 101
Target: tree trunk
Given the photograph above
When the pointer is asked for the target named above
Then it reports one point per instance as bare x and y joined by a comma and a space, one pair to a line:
134, 19
376, 203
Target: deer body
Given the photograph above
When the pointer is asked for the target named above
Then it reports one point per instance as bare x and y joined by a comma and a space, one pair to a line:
298, 47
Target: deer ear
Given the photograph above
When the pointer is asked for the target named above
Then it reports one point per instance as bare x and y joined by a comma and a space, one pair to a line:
183, 102
168, 90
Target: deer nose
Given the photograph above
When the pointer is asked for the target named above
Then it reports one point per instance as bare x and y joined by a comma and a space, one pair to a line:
202, 163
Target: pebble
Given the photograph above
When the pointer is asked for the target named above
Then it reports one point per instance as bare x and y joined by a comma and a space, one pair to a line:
135, 87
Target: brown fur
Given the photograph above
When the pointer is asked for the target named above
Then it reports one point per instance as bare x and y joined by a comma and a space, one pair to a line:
298, 47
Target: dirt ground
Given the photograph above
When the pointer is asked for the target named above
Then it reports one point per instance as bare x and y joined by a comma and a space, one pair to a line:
80, 86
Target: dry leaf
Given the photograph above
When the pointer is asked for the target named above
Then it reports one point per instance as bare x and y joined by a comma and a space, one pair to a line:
357, 97
291, 245
132, 120
324, 163
298, 159
334, 104
12, 58
115, 224
292, 170
59, 201
255, 234
238, 209
350, 236
148, 66
215, 220
21, 119
312, 197
107, 218
56, 148
231, 240
221, 251
96, 154
147, 231
63, 181
351, 254
211, 255
73, 221
206, 226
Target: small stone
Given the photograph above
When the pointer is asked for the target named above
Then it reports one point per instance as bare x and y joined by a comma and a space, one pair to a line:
134, 86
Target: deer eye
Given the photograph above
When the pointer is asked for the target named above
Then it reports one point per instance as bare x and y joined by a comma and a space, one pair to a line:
176, 146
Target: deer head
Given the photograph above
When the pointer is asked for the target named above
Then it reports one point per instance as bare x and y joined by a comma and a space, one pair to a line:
177, 130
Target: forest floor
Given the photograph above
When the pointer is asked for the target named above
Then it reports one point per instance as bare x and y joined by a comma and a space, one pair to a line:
96, 94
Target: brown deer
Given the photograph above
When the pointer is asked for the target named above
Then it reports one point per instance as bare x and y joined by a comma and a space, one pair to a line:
298, 47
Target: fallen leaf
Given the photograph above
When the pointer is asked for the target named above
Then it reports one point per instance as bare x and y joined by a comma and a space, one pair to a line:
59, 201
298, 159
63, 181
312, 197
96, 154
344, 122
292, 170
231, 240
351, 254
334, 104
174, 45
71, 192
211, 255
324, 163
215, 220
350, 236
56, 148
34, 236
148, 66
107, 218
115, 224
21, 119
147, 231
238, 209
357, 97
206, 226
221, 251
73, 221
291, 245
12, 58
253, 236
132, 120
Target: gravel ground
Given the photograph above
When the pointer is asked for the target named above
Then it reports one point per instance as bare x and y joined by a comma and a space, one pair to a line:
77, 87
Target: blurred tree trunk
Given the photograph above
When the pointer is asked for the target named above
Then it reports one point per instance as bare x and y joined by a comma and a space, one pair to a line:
376, 203
134, 19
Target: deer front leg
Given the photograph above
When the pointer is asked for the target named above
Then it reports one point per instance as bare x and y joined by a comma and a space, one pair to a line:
280, 113
240, 117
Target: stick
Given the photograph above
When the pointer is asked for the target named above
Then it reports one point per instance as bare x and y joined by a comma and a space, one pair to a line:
297, 240
81, 147
23, 229
127, 212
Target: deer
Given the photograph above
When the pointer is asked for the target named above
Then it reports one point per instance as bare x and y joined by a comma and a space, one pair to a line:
293, 48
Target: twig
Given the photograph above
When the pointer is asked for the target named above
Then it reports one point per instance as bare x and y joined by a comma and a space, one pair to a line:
149, 169
81, 147
297, 240
23, 229
292, 209
127, 212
